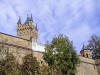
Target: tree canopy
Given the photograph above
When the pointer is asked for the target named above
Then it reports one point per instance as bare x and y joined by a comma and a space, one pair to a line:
30, 66
9, 66
94, 46
61, 55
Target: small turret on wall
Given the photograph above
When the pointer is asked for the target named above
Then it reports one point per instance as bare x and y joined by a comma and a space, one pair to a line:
85, 52
27, 30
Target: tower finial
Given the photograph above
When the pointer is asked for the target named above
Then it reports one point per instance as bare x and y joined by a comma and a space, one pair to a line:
19, 21
27, 19
31, 17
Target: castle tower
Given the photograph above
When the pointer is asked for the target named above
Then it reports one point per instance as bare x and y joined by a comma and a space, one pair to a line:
27, 30
85, 52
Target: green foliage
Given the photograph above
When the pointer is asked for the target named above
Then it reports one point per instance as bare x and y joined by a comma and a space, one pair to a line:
60, 55
9, 66
46, 70
30, 66
94, 46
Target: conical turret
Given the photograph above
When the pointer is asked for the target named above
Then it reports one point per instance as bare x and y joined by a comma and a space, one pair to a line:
19, 21
29, 18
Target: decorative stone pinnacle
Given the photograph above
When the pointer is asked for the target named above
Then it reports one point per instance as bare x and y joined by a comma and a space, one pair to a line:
19, 21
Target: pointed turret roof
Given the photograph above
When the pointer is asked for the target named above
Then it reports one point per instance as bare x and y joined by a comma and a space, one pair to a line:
19, 21
29, 18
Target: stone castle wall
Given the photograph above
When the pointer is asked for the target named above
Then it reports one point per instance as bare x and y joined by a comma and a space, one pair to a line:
20, 52
98, 65
87, 67
20, 46
15, 40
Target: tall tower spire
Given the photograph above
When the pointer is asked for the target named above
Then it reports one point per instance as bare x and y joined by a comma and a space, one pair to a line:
31, 18
19, 21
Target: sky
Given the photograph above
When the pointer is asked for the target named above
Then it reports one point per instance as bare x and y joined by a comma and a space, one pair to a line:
77, 19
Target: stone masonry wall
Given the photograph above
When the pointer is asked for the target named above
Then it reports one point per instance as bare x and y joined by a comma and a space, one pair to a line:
19, 47
18, 51
98, 65
15, 40
87, 67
